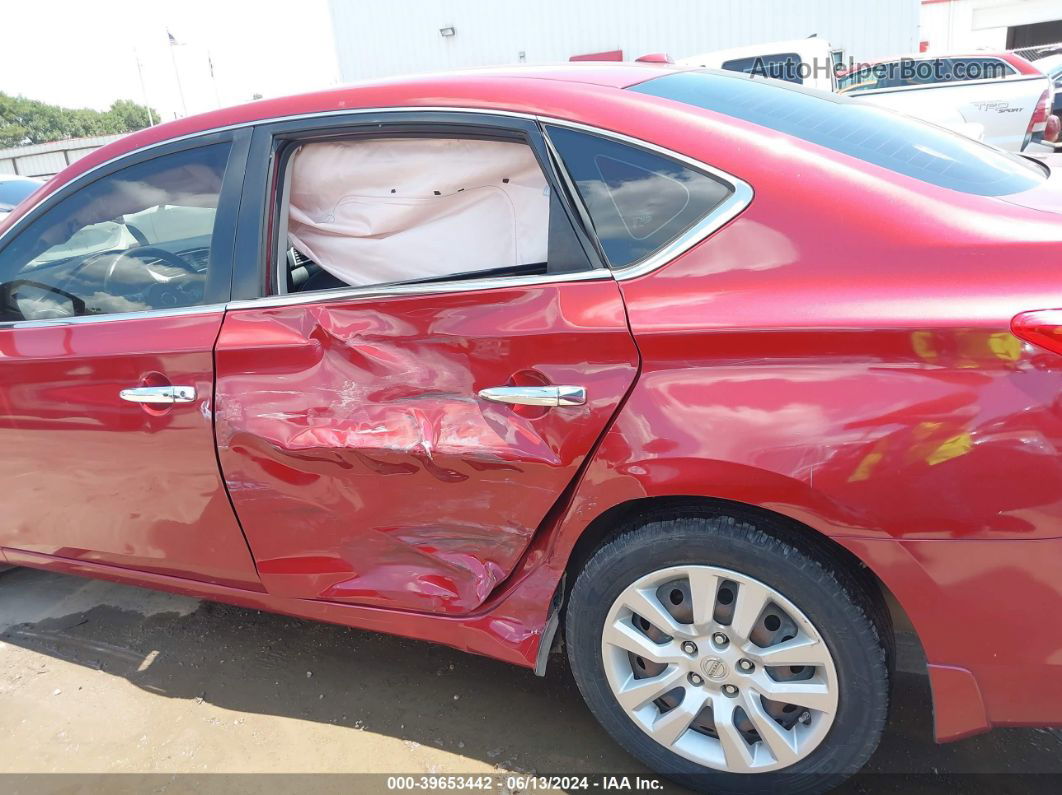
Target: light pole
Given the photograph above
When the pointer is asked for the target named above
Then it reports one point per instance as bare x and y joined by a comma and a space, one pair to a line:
143, 88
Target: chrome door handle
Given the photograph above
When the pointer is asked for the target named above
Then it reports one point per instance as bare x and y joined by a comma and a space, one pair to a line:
536, 395
159, 394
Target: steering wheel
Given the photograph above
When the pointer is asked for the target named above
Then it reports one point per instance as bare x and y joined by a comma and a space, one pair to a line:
165, 285
136, 252
146, 252
118, 255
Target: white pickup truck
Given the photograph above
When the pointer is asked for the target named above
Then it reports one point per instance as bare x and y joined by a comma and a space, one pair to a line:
1001, 99
810, 62
1002, 94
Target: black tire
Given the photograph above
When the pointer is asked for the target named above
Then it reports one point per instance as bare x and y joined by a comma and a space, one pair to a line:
851, 619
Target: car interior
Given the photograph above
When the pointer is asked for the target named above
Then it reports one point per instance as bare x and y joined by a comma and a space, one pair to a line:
404, 210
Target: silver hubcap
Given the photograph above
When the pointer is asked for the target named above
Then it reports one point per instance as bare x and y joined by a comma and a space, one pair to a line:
719, 668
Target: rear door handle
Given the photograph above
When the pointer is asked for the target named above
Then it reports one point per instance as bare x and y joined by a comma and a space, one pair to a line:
159, 394
536, 395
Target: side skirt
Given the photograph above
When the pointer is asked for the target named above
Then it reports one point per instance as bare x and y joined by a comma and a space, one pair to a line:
481, 633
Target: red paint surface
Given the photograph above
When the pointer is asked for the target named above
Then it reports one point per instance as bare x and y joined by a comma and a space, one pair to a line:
957, 708
1023, 65
362, 464
1041, 327
89, 476
655, 57
607, 55
840, 354
860, 376
492, 634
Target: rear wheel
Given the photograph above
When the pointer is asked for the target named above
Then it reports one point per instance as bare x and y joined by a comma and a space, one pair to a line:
728, 659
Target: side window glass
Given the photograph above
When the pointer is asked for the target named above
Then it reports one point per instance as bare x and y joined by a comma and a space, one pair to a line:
937, 70
979, 69
866, 79
364, 212
780, 66
134, 240
638, 201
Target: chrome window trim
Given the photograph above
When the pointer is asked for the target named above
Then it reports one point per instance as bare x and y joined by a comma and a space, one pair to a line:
146, 314
428, 288
738, 201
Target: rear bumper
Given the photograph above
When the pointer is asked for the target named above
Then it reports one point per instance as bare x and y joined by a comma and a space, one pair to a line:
989, 616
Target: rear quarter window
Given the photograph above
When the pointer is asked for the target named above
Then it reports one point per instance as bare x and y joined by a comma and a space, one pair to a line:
872, 134
638, 201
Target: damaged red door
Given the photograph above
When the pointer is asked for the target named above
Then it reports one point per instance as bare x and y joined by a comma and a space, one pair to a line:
362, 462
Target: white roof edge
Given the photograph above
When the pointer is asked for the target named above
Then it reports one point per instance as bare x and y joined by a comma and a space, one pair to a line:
803, 47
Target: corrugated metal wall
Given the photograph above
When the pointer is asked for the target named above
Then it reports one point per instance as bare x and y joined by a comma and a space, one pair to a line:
966, 25
375, 39
46, 160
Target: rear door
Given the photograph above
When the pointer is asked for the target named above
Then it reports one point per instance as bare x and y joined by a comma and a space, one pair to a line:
398, 444
111, 299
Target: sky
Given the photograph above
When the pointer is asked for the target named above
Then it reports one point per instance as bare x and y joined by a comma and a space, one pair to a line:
84, 54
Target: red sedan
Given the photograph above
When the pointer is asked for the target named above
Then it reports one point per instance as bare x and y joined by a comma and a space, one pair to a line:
713, 378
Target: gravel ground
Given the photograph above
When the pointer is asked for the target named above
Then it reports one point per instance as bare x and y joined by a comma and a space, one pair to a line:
104, 679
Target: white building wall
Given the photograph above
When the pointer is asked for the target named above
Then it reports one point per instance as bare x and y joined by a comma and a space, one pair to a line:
375, 39
969, 25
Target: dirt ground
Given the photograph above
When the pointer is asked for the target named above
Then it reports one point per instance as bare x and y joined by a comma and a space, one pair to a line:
104, 679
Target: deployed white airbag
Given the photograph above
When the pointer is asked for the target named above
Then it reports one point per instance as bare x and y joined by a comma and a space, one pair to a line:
394, 209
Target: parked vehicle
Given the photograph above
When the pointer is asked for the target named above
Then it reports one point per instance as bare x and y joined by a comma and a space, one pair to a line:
810, 62
14, 189
1007, 97
497, 358
1052, 67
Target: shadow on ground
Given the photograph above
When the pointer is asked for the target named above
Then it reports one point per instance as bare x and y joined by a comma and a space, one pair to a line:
254, 662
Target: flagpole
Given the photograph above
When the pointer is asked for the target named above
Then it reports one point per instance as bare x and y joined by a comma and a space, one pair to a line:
177, 72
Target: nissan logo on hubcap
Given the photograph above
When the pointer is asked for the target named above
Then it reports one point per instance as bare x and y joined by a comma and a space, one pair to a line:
714, 668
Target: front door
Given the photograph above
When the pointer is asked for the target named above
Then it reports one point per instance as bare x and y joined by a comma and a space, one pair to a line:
111, 299
397, 441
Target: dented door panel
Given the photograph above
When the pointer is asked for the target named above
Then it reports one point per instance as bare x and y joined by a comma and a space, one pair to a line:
362, 464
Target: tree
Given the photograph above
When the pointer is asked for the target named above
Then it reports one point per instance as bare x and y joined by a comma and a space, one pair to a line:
26, 121
131, 116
